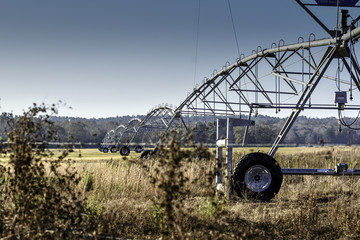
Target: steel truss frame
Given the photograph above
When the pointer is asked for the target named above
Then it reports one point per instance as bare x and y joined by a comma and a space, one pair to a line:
267, 77
157, 118
113, 134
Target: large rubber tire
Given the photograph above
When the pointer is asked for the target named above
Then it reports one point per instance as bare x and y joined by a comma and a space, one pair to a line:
124, 151
257, 176
113, 149
105, 150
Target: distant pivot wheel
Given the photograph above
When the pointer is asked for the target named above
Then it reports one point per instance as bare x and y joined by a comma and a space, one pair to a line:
257, 176
139, 149
105, 150
124, 151
113, 149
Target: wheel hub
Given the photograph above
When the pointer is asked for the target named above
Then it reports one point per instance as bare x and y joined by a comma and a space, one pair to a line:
257, 178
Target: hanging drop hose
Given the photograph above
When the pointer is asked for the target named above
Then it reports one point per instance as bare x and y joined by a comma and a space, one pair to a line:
348, 125
278, 83
311, 34
337, 78
350, 49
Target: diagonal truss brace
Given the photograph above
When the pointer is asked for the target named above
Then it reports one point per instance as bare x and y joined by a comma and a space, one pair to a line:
317, 75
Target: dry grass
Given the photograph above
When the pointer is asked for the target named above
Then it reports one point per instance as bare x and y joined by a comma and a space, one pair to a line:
169, 197
307, 207
166, 199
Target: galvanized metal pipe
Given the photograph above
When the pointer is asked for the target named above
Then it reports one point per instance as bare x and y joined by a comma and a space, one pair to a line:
353, 35
316, 171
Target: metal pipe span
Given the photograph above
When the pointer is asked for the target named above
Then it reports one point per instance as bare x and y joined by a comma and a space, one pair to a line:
354, 35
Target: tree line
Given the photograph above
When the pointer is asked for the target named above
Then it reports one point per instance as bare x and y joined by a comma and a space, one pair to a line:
308, 131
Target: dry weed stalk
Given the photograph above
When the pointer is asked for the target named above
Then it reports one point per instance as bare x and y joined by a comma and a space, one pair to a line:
38, 205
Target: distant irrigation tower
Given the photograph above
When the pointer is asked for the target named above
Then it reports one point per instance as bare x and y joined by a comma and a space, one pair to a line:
138, 133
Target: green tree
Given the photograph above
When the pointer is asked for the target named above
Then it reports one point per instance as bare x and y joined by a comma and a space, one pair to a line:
76, 131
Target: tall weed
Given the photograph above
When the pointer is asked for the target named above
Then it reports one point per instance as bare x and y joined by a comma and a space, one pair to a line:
38, 204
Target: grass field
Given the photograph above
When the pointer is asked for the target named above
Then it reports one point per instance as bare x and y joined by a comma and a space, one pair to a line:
173, 197
307, 207
95, 154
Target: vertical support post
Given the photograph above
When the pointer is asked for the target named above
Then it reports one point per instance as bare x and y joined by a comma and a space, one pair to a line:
218, 166
219, 135
226, 140
223, 129
229, 151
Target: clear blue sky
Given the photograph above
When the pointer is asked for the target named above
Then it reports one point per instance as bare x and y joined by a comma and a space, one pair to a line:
122, 57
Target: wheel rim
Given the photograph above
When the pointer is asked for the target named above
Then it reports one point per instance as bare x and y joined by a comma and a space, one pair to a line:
124, 151
257, 178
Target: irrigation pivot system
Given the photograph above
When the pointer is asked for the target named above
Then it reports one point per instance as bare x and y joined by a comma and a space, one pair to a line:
108, 143
138, 133
309, 75
118, 139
